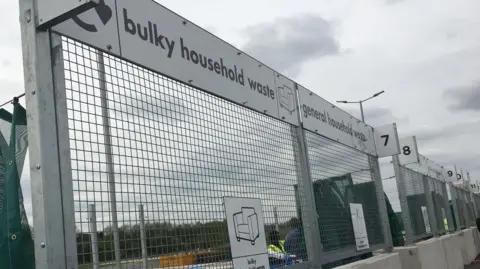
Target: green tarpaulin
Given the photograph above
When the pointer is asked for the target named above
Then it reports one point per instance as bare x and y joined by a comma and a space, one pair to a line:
16, 243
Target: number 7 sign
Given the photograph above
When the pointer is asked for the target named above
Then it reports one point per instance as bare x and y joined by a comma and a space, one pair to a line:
386, 140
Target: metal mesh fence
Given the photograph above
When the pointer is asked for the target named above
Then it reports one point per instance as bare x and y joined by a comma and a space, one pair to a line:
462, 208
440, 204
416, 200
471, 211
341, 176
140, 139
476, 199
469, 207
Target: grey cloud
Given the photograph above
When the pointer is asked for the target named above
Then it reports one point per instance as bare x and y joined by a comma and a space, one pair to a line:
287, 43
430, 134
391, 2
377, 112
377, 116
6, 63
464, 98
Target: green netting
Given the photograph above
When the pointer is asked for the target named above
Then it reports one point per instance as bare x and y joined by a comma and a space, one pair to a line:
327, 192
16, 243
396, 225
415, 203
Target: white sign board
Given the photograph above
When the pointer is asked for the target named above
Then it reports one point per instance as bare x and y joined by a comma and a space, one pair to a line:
460, 175
386, 140
246, 233
97, 27
322, 117
426, 220
152, 36
51, 12
359, 226
450, 174
408, 151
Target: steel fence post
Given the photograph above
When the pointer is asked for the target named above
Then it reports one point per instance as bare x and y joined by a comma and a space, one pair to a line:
463, 195
466, 193
312, 229
109, 157
92, 221
472, 199
275, 216
48, 138
143, 237
432, 218
382, 206
474, 204
453, 195
475, 200
402, 193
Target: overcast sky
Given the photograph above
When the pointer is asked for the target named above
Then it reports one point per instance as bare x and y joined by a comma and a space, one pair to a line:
423, 53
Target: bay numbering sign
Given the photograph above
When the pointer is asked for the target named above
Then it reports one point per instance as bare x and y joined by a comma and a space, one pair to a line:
408, 150
386, 140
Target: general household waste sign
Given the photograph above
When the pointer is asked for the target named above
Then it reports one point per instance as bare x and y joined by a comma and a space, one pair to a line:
359, 227
246, 233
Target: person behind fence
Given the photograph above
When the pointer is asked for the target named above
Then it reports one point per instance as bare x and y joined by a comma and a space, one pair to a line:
292, 243
276, 245
276, 252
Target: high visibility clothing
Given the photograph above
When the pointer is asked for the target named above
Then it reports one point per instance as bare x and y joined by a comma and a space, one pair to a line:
277, 249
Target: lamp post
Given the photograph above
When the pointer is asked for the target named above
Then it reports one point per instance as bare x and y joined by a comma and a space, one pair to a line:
361, 102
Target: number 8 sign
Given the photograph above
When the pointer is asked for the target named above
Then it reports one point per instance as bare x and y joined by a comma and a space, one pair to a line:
409, 150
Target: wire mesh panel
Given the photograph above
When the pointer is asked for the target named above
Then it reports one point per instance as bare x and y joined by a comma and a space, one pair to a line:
469, 207
461, 207
342, 175
138, 138
440, 207
416, 199
394, 211
476, 199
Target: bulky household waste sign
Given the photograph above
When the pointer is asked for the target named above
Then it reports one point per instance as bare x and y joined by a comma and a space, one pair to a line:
246, 233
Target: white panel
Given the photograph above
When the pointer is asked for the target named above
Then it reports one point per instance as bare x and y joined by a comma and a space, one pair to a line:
251, 262
450, 174
51, 11
386, 140
322, 117
287, 103
97, 27
426, 221
408, 151
152, 36
245, 226
157, 38
359, 226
